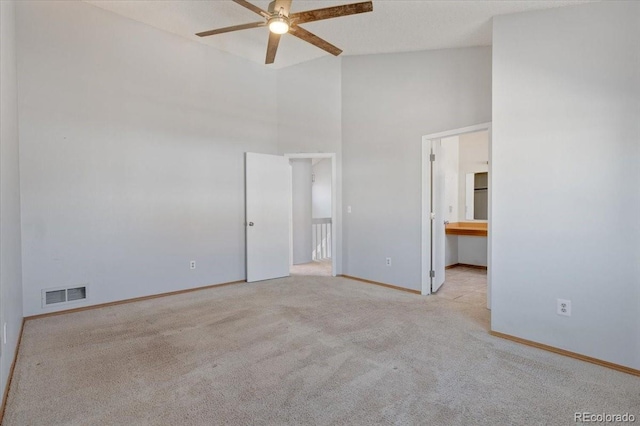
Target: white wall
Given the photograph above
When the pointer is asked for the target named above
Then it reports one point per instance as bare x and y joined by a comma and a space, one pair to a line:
451, 250
309, 118
388, 103
302, 200
449, 155
472, 250
321, 189
132, 143
474, 157
10, 253
566, 204
463, 154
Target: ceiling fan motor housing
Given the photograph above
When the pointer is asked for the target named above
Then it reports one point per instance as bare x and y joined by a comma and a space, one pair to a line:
272, 7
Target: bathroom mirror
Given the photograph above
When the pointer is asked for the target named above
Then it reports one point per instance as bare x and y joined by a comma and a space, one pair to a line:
477, 196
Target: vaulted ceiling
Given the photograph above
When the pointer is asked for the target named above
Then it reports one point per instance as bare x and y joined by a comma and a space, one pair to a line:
393, 26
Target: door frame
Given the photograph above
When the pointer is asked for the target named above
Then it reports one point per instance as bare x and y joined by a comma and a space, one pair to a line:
335, 220
426, 203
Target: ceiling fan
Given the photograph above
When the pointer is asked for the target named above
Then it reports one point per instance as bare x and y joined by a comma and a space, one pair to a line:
280, 21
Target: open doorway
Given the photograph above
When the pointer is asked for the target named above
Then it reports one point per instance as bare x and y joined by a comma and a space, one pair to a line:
312, 214
456, 214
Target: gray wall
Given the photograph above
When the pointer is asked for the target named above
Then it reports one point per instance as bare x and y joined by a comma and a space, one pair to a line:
566, 102
310, 117
474, 158
451, 250
321, 189
388, 103
131, 159
10, 252
302, 211
472, 250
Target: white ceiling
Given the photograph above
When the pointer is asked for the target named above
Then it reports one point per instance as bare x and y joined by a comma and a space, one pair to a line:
393, 26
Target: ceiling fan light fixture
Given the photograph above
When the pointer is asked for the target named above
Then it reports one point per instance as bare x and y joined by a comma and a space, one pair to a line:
279, 25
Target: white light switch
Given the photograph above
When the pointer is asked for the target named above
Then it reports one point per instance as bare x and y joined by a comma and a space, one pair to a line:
348, 209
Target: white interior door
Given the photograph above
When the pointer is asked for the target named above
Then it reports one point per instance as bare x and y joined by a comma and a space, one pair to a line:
438, 209
268, 206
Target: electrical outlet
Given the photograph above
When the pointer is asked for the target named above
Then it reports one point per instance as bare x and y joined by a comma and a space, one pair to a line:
348, 209
388, 261
192, 264
564, 307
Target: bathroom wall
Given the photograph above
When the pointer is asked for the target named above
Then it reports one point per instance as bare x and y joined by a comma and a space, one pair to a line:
468, 153
451, 250
449, 154
473, 158
472, 250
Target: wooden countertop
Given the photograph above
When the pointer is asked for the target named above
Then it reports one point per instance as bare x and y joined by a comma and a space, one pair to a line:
474, 229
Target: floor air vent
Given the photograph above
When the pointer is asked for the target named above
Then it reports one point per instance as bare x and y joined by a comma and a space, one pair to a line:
57, 296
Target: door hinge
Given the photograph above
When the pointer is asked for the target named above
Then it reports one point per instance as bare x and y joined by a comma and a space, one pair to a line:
432, 274
432, 158
432, 216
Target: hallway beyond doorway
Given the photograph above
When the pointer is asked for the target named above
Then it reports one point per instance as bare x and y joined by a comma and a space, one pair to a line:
316, 268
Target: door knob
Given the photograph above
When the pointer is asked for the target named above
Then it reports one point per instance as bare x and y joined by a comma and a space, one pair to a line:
250, 223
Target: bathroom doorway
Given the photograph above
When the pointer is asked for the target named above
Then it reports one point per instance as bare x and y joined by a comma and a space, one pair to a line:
456, 214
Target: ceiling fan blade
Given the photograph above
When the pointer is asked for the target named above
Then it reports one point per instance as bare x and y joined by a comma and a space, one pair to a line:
305, 35
233, 28
252, 7
272, 47
284, 4
331, 12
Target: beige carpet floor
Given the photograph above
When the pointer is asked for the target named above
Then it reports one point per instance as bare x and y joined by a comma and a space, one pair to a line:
299, 350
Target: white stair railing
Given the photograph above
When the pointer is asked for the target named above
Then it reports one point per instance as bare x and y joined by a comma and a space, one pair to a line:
321, 231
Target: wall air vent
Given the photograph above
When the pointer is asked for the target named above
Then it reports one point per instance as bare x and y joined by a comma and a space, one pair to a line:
55, 296
77, 293
61, 296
